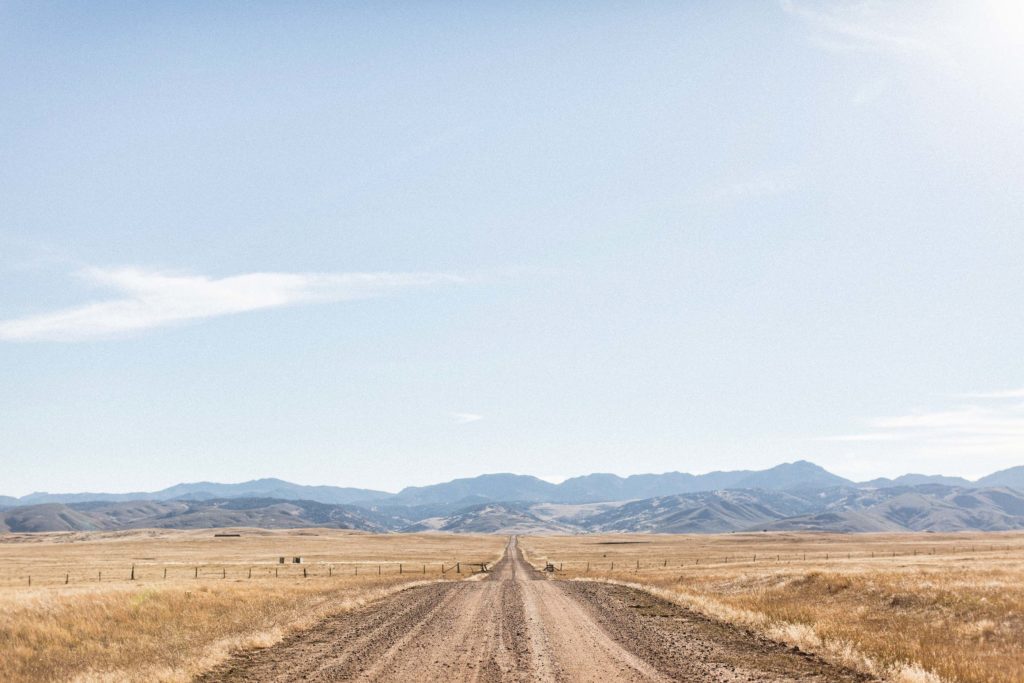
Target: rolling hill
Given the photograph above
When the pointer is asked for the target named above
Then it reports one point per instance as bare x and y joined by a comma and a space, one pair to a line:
1013, 477
266, 513
797, 495
929, 507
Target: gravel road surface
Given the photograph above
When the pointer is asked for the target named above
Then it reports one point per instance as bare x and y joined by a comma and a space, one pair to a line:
516, 625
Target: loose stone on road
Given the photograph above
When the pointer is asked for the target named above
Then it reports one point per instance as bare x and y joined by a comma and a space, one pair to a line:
516, 625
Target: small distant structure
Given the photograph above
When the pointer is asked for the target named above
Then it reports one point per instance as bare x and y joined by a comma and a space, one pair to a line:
549, 567
284, 560
280, 560
296, 560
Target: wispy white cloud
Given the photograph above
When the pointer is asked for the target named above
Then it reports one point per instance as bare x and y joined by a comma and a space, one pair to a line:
865, 26
990, 431
149, 299
975, 43
466, 418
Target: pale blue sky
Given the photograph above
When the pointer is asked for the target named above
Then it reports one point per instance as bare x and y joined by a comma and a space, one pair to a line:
375, 245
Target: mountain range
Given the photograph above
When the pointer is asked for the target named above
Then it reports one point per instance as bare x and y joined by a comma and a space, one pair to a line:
791, 496
927, 507
591, 488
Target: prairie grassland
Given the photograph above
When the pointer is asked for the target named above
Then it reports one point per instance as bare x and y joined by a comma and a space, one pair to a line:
918, 608
156, 629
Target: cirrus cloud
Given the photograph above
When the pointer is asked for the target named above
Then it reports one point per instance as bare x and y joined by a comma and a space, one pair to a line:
974, 436
149, 299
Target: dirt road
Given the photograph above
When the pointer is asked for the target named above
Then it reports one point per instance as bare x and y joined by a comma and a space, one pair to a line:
518, 626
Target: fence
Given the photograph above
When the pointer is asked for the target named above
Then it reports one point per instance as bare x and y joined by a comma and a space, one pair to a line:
758, 558
151, 572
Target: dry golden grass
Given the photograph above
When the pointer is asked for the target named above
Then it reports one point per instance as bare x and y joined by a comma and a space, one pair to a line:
917, 608
169, 629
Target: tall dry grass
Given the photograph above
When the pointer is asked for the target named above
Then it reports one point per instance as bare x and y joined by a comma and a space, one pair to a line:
916, 608
153, 629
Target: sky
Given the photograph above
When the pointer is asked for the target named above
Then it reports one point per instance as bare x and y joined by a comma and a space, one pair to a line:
380, 245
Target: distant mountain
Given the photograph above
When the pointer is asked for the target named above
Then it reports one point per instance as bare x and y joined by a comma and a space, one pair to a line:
791, 476
205, 490
206, 514
46, 517
1013, 477
916, 480
488, 518
602, 487
930, 507
706, 512
594, 488
487, 487
414, 503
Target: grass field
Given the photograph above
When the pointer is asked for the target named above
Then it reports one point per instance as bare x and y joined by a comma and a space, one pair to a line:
911, 607
83, 618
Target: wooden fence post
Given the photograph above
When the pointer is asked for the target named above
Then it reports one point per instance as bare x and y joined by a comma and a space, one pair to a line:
399, 567
458, 567
67, 578
133, 572
304, 573
197, 573
250, 572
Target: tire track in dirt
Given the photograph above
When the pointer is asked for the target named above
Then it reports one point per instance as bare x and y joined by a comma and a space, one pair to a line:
517, 626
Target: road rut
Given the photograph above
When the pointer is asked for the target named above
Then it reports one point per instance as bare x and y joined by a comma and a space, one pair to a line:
517, 626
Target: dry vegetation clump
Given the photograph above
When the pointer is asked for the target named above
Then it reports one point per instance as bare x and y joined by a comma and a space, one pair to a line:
914, 608
153, 629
